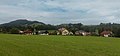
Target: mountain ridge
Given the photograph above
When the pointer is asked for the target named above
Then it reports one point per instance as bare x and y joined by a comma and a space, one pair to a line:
21, 22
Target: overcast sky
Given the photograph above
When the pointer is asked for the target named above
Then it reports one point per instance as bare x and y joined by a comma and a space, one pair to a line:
61, 11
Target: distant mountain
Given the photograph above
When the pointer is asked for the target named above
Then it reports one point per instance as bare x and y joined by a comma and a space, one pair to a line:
21, 22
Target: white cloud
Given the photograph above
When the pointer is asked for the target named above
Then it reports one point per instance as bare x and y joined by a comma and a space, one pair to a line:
61, 11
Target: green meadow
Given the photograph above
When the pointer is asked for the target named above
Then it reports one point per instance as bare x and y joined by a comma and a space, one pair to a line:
37, 45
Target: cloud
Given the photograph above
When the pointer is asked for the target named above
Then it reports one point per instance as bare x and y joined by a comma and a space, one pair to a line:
61, 11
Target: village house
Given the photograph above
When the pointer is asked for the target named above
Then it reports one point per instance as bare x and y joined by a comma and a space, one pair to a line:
106, 33
26, 32
21, 32
82, 33
63, 31
42, 32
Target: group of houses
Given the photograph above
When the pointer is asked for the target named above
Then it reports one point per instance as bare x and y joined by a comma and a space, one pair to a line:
64, 31
30, 32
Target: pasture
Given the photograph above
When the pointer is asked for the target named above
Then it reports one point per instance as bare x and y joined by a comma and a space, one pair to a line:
36, 45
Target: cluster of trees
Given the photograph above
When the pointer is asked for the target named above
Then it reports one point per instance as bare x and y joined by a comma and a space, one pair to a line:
14, 26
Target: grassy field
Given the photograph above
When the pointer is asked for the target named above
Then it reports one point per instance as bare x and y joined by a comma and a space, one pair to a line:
22, 45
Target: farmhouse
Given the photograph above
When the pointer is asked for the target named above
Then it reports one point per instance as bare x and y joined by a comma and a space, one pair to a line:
63, 31
106, 33
28, 32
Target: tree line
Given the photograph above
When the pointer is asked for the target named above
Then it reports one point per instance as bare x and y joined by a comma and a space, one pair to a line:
114, 27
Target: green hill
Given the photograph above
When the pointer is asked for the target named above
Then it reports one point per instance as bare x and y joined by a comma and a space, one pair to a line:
21, 22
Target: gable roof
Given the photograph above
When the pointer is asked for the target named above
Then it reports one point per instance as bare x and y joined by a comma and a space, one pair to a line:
106, 32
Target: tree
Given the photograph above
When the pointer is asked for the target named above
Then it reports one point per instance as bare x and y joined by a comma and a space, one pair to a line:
14, 31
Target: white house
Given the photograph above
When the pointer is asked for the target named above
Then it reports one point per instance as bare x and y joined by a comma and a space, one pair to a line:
63, 31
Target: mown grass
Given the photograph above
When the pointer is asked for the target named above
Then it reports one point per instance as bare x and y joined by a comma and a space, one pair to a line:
29, 45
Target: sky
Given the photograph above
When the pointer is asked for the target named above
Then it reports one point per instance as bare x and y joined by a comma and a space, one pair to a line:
89, 12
